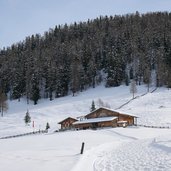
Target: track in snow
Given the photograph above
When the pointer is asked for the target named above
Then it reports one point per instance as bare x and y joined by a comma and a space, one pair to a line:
142, 155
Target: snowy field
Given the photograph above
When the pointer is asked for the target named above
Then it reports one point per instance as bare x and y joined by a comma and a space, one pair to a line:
110, 149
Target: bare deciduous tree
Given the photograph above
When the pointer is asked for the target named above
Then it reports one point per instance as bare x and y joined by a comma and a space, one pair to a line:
101, 103
133, 88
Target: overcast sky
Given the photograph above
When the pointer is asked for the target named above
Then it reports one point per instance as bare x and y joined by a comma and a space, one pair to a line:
21, 18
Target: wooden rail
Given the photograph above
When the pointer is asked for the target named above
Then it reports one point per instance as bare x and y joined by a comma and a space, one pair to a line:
150, 126
134, 99
25, 134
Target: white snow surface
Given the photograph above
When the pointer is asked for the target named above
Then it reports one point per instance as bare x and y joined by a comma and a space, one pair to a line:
108, 149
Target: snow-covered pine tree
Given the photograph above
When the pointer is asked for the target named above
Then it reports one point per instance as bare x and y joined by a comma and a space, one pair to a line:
35, 94
47, 126
75, 74
115, 66
92, 106
27, 118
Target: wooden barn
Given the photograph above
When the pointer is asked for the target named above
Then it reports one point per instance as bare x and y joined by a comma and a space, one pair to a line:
102, 117
67, 123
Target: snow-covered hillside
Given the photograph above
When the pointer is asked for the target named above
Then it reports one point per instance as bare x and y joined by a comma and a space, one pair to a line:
132, 148
58, 109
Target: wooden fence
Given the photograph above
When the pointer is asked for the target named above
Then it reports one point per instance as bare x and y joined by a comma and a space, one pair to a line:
134, 99
150, 126
25, 134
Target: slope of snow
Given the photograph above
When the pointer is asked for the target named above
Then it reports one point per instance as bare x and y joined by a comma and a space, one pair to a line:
58, 109
135, 151
139, 155
131, 148
153, 109
59, 151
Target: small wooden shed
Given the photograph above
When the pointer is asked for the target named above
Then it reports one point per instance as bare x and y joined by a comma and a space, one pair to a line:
67, 123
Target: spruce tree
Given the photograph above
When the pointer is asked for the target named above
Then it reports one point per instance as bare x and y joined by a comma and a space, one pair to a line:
75, 75
35, 90
47, 126
93, 106
27, 118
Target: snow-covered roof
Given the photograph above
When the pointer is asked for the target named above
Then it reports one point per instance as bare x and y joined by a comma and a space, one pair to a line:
66, 119
117, 111
95, 120
125, 113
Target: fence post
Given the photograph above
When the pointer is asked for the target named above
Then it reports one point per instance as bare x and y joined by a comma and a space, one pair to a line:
82, 148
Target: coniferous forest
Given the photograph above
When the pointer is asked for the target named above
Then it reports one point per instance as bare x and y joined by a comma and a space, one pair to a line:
71, 58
